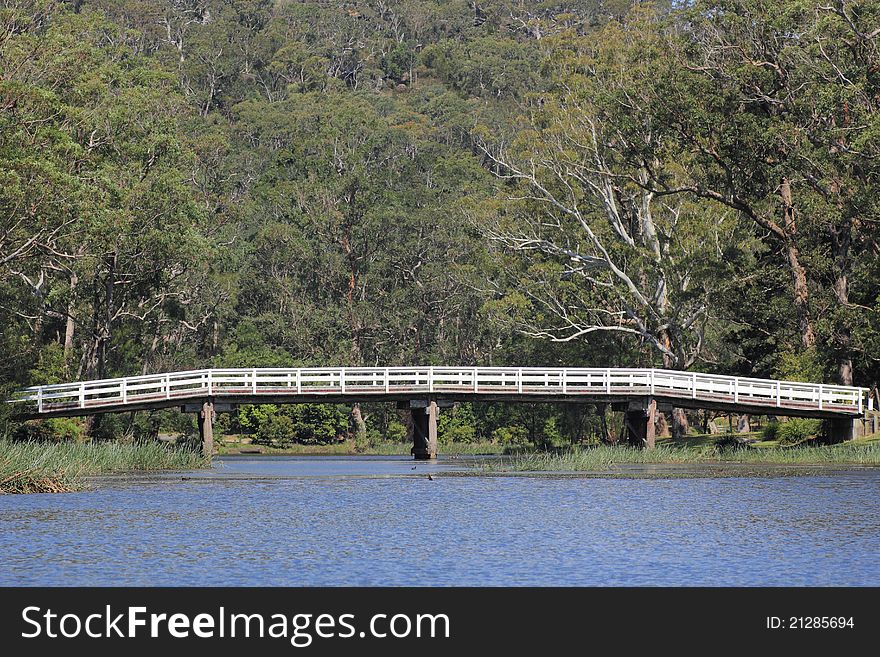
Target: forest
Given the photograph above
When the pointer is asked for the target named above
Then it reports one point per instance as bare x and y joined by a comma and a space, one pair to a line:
590, 183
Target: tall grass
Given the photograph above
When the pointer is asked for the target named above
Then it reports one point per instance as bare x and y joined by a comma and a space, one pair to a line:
30, 467
603, 458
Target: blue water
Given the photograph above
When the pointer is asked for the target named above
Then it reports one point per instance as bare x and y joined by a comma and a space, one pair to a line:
297, 521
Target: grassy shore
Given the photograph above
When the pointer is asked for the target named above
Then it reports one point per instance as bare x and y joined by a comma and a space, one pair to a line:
350, 448
60, 467
604, 458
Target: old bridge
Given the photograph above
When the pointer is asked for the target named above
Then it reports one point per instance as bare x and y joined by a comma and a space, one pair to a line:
423, 390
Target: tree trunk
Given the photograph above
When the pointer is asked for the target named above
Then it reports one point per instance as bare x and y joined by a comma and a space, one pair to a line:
844, 363
607, 437
680, 426
661, 426
70, 324
215, 337
406, 419
151, 353
840, 244
357, 419
801, 295
798, 273
104, 330
743, 425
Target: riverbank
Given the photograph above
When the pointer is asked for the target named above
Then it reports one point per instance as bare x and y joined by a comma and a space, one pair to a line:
61, 467
865, 452
350, 448
31, 467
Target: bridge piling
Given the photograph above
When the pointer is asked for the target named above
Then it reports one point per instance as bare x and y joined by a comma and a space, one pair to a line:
840, 430
424, 429
206, 427
639, 420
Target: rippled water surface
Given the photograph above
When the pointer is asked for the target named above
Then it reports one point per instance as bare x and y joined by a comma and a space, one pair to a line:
380, 521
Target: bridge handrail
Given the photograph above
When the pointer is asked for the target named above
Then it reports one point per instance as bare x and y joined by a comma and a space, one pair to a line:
217, 382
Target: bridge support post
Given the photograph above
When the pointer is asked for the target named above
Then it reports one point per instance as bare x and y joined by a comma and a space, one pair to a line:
639, 419
424, 428
206, 427
845, 428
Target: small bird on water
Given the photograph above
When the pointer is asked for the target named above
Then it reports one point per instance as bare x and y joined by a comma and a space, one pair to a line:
430, 478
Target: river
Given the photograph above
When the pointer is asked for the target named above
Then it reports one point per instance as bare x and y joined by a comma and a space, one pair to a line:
364, 521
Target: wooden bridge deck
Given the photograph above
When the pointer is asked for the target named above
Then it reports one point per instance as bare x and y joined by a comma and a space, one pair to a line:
297, 385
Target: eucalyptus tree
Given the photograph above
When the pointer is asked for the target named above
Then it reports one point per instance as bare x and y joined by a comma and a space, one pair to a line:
353, 250
776, 106
91, 153
609, 255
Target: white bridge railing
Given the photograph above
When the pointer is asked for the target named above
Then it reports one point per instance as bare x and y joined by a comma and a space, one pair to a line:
489, 381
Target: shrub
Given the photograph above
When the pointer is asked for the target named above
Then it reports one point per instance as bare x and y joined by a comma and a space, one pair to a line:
62, 429
318, 423
731, 442
252, 416
511, 436
395, 431
310, 424
458, 433
797, 430
551, 433
276, 430
32, 431
368, 439
770, 431
458, 425
67, 429
799, 365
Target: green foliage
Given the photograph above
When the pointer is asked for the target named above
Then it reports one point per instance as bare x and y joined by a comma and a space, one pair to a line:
33, 431
731, 443
395, 432
50, 366
770, 431
551, 433
248, 184
67, 429
489, 66
253, 416
797, 430
111, 427
457, 425
370, 438
308, 424
276, 430
52, 430
398, 63
799, 365
318, 423
511, 436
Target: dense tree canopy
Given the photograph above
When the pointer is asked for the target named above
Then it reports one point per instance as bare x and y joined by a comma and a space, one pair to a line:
585, 182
